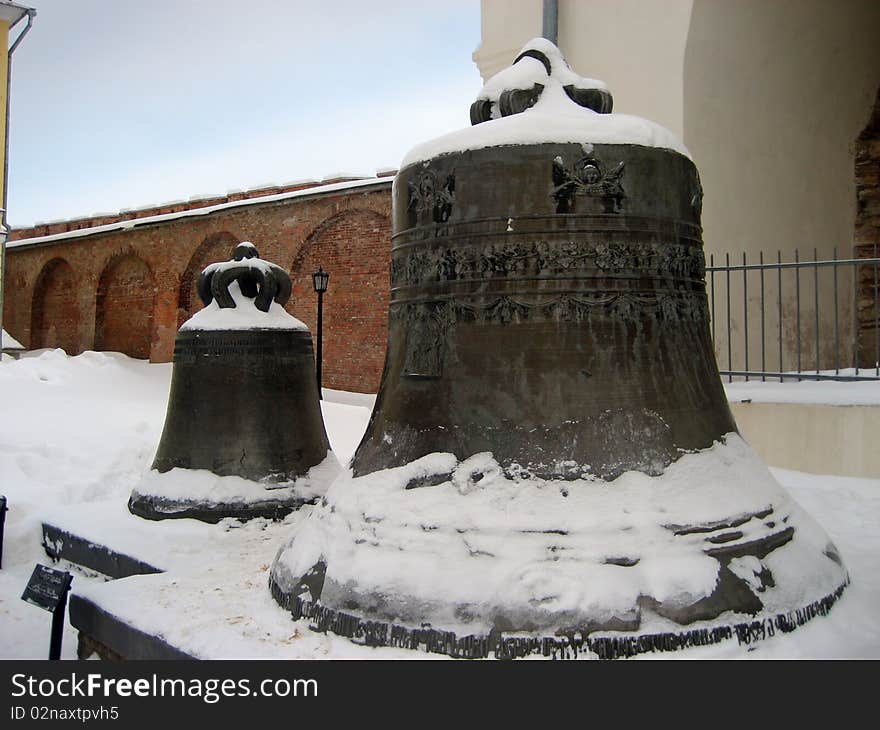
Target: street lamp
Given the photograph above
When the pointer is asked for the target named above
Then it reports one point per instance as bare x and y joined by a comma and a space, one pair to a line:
319, 281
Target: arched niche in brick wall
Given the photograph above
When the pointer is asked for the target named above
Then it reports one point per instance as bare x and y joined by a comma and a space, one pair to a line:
354, 246
124, 307
216, 247
55, 311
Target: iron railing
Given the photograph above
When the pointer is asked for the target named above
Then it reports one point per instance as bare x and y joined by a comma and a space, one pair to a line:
784, 317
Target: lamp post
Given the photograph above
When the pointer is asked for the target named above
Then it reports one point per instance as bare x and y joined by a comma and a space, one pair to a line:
319, 281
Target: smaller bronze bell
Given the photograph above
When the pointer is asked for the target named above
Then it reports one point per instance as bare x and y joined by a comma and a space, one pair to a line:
244, 406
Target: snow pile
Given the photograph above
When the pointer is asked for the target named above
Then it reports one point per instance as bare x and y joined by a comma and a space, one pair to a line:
244, 316
554, 118
529, 70
822, 392
178, 488
79, 432
479, 548
8, 342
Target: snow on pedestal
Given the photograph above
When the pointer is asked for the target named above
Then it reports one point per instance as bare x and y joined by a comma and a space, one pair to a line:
484, 562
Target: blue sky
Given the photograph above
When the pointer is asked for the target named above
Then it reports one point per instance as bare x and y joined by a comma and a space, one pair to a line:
123, 103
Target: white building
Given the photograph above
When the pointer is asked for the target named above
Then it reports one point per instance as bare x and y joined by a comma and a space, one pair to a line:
770, 97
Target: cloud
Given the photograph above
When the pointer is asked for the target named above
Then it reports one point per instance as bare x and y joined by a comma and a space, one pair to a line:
122, 104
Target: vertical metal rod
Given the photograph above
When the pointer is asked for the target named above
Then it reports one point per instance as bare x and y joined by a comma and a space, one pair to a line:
729, 350
797, 294
550, 18
763, 339
855, 314
58, 617
816, 304
319, 355
836, 319
712, 293
876, 320
779, 301
746, 314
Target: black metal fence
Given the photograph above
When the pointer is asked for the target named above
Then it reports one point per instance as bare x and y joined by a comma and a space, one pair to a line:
803, 320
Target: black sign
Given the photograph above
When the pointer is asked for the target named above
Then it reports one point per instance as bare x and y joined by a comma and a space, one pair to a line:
2, 523
47, 588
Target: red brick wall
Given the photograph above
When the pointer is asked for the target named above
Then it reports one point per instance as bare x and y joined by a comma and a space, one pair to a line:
217, 247
355, 248
124, 307
54, 315
88, 301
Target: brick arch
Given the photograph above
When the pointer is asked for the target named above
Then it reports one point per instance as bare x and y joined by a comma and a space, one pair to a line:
124, 306
55, 311
354, 246
216, 247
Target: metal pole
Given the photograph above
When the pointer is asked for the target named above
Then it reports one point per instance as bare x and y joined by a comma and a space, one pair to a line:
712, 291
797, 295
319, 354
779, 308
550, 18
876, 320
816, 305
855, 314
727, 287
763, 337
746, 314
836, 322
58, 617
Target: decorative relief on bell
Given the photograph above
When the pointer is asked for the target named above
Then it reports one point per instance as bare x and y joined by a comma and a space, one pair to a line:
428, 194
426, 327
588, 177
697, 197
413, 267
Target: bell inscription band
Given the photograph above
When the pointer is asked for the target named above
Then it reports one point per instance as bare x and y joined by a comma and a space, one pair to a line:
551, 464
244, 436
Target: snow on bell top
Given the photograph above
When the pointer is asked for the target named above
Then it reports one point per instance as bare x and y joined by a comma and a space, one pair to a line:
539, 99
245, 293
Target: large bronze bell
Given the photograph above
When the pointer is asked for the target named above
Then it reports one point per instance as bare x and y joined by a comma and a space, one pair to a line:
243, 404
551, 456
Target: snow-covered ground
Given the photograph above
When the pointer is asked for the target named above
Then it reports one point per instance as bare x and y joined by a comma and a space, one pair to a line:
813, 392
78, 433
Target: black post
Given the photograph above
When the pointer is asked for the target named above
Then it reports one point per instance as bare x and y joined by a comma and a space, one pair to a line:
319, 280
2, 524
318, 346
58, 616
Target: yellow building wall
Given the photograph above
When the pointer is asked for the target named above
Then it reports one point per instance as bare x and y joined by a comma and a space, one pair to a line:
4, 77
4, 62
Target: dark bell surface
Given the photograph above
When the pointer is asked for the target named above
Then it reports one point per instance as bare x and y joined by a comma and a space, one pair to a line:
243, 403
548, 305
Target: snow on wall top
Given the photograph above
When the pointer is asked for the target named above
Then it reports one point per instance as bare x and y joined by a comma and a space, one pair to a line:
133, 222
540, 99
